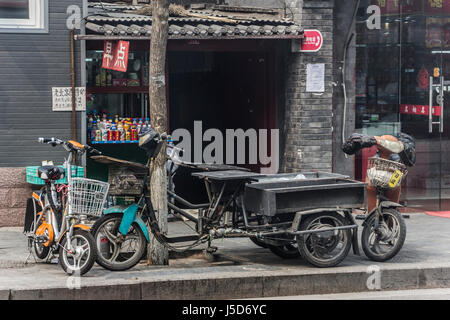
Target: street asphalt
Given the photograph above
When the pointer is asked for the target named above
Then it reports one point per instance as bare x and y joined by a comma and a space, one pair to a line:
241, 270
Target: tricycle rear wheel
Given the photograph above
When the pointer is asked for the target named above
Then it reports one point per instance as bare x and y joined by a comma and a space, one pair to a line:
327, 248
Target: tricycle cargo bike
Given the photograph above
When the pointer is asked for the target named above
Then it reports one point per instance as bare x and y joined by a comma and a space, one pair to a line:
306, 214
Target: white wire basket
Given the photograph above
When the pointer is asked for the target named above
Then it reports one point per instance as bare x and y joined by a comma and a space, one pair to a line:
87, 196
384, 173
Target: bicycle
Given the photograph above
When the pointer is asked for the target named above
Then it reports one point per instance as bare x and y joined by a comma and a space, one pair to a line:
61, 224
384, 231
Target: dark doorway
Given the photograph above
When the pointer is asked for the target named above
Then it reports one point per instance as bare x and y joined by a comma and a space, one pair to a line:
223, 90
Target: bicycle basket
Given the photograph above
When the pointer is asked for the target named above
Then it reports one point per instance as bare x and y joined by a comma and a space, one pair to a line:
87, 196
385, 173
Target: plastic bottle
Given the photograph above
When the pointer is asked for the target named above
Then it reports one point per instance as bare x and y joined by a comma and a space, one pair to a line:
93, 130
104, 134
126, 126
121, 131
139, 127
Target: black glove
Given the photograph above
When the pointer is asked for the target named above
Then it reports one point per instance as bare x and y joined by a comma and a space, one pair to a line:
357, 142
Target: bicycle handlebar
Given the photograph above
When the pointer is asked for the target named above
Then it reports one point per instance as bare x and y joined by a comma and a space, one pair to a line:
55, 141
92, 150
52, 141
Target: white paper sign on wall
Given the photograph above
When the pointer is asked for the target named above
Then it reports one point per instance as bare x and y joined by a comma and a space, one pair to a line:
315, 77
62, 98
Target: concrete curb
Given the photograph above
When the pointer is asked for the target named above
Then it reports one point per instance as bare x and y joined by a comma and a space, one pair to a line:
243, 285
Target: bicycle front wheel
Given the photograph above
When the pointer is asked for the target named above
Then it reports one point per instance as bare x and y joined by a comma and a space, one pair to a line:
81, 257
116, 252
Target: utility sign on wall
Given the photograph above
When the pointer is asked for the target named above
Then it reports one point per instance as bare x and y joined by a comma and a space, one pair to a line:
62, 98
315, 77
312, 41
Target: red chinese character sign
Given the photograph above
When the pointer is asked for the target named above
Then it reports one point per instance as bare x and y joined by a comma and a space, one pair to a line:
121, 56
420, 109
108, 55
312, 41
115, 55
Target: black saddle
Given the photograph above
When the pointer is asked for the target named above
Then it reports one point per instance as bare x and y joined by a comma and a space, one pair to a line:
51, 173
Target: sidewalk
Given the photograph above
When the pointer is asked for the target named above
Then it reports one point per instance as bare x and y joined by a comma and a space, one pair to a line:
242, 270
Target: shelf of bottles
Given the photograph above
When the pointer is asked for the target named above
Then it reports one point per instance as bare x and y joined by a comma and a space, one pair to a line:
103, 130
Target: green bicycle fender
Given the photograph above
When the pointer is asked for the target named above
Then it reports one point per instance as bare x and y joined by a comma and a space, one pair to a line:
141, 224
129, 216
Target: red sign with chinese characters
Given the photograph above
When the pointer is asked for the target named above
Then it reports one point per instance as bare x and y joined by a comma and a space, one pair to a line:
108, 55
115, 55
419, 109
312, 41
121, 56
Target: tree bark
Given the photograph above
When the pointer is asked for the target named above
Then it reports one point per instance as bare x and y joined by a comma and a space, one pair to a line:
157, 253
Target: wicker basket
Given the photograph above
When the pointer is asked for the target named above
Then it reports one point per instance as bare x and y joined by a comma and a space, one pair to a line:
384, 173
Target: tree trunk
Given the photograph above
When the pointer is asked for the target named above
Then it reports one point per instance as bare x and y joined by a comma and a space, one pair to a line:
157, 253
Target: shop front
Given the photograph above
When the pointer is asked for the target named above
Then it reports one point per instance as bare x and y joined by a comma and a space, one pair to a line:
218, 77
403, 85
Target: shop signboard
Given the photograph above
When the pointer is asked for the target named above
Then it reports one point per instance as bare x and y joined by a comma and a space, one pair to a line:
108, 54
437, 6
419, 109
121, 56
312, 41
115, 55
62, 98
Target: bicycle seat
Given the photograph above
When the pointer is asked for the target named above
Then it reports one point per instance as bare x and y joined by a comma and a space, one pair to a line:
51, 173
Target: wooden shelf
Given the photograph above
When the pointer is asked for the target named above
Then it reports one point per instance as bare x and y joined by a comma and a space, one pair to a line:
106, 90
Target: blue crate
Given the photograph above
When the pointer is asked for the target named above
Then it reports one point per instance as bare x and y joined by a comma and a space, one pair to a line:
33, 178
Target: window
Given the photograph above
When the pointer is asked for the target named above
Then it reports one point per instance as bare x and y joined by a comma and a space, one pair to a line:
22, 15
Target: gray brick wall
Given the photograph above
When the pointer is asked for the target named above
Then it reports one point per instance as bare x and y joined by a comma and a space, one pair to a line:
30, 65
308, 122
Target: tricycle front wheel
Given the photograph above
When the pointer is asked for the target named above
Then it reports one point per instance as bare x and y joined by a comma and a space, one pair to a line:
326, 248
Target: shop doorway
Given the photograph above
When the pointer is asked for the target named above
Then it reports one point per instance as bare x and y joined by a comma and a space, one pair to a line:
424, 106
403, 85
223, 90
